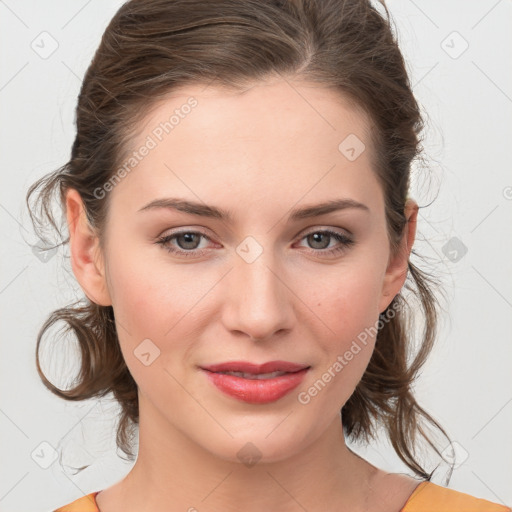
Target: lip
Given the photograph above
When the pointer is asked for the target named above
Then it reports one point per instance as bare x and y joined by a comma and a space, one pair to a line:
247, 367
256, 391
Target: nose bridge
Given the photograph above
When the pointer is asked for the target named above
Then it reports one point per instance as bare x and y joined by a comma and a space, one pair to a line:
255, 278
259, 300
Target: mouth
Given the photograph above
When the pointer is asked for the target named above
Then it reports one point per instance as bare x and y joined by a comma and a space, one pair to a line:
253, 383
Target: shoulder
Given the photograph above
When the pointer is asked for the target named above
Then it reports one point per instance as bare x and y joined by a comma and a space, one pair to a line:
86, 503
429, 496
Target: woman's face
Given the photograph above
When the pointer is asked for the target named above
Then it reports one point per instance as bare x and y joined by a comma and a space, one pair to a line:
266, 283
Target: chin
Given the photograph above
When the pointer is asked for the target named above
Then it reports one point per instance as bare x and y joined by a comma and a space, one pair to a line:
268, 441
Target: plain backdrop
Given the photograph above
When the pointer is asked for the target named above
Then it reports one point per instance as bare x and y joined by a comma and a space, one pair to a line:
458, 54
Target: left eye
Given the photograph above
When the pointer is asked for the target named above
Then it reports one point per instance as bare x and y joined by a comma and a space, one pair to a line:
187, 242
316, 237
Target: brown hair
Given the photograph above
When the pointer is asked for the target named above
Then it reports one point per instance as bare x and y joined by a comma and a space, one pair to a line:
153, 46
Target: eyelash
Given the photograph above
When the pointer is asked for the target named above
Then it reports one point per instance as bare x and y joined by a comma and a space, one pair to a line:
344, 240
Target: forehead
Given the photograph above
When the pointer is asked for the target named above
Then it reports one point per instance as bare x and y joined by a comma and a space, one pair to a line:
275, 106
277, 139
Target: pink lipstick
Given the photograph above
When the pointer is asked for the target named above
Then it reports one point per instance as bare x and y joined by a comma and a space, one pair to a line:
256, 383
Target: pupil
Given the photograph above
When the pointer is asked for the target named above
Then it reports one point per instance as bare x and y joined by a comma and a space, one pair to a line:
188, 240
317, 237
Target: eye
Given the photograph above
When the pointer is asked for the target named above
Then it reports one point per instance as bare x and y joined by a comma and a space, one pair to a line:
320, 241
187, 242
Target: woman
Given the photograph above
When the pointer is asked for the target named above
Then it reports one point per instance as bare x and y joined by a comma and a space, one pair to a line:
239, 221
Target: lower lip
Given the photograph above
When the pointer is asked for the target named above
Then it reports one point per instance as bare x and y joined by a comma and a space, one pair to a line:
255, 391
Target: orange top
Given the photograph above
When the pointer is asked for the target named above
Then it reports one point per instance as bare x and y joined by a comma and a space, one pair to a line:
427, 497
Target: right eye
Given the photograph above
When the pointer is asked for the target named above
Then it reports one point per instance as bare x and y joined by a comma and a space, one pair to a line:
186, 239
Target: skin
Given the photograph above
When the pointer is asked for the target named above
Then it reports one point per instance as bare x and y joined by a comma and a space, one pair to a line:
258, 154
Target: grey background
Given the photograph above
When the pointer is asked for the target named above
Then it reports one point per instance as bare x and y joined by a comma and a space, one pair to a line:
465, 234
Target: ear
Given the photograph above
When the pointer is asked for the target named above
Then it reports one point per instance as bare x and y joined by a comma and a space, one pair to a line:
396, 272
86, 256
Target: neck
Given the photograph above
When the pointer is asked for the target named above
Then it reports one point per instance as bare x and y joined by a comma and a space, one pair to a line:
172, 472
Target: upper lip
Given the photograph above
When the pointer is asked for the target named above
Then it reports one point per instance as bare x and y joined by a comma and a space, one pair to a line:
256, 369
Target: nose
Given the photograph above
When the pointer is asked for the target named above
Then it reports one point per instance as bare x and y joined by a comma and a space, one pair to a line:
259, 303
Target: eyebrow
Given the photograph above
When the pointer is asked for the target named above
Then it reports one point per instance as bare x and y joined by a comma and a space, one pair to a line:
204, 210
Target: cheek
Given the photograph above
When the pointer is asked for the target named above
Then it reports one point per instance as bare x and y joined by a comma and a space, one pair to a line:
348, 310
160, 302
153, 298
347, 298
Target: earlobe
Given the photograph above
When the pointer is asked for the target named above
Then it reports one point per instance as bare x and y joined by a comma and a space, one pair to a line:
86, 255
396, 272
